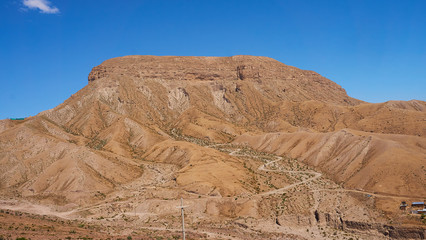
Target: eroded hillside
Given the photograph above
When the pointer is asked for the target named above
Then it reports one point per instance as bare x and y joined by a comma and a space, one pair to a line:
245, 139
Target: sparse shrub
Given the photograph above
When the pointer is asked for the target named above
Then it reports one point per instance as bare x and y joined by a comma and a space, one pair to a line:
97, 144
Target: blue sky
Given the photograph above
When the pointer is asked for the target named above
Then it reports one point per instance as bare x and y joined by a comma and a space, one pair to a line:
376, 50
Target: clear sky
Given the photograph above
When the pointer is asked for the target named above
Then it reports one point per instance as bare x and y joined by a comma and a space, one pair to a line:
376, 50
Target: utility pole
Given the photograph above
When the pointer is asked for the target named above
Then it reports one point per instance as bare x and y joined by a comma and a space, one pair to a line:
183, 215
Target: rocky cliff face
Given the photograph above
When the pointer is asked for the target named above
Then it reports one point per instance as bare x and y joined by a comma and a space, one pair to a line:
276, 80
255, 92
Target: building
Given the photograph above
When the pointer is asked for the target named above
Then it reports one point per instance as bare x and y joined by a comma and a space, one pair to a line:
403, 205
418, 205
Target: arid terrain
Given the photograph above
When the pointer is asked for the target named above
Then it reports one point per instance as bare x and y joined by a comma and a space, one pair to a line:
257, 150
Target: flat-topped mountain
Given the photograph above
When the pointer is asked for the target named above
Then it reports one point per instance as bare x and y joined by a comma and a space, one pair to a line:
233, 134
277, 80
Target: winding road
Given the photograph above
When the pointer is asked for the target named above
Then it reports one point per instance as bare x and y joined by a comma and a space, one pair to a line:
278, 158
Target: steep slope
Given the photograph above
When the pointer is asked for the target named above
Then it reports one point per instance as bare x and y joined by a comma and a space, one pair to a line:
394, 117
391, 164
243, 90
39, 158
